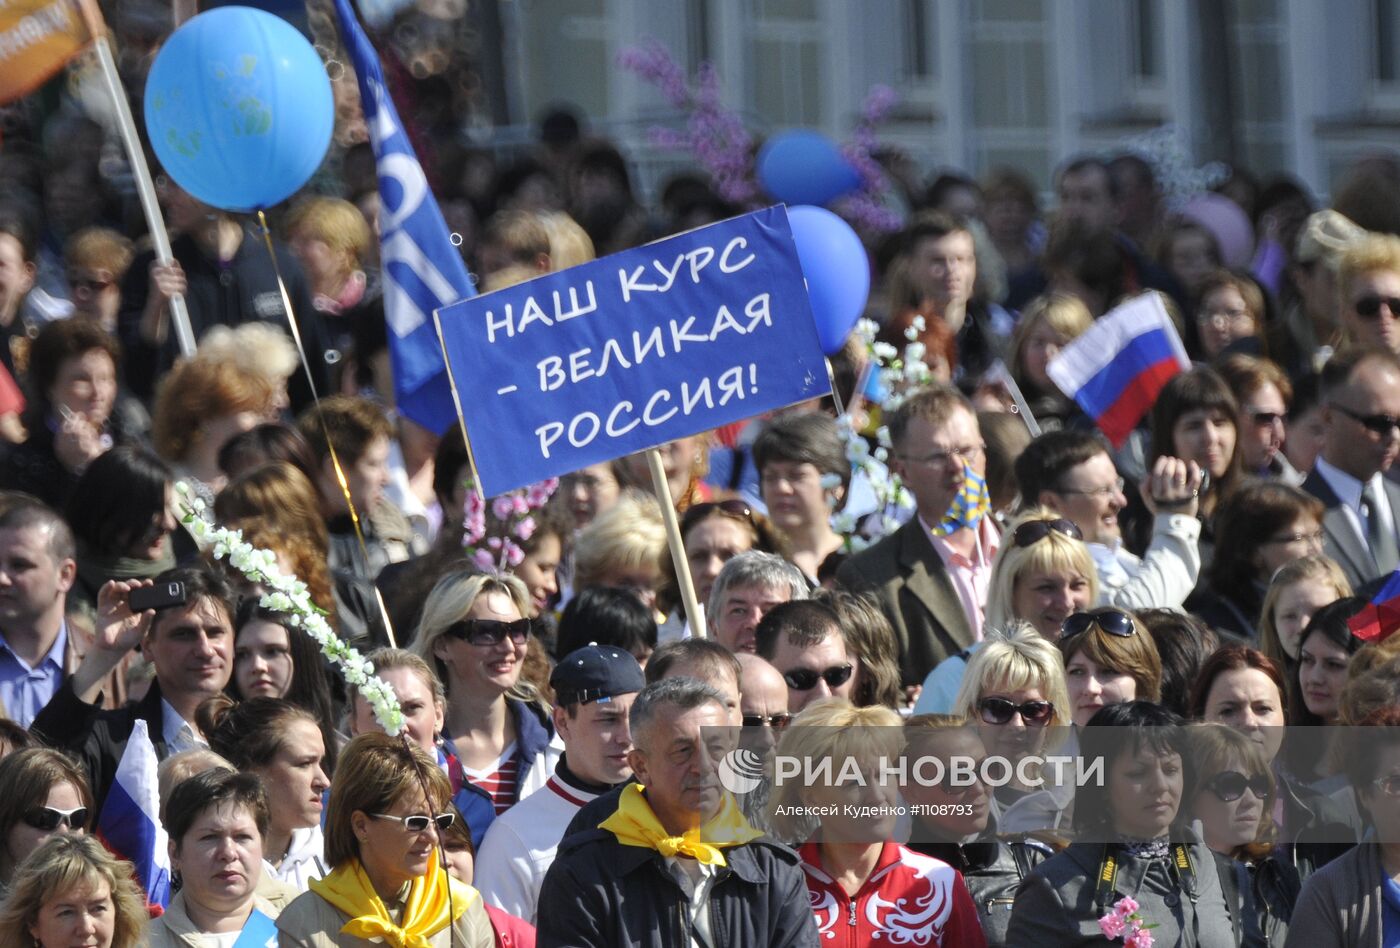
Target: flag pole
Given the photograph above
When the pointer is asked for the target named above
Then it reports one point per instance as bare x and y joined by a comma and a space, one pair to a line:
145, 187
676, 542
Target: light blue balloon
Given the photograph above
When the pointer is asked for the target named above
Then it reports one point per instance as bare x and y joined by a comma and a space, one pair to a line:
837, 269
239, 108
805, 167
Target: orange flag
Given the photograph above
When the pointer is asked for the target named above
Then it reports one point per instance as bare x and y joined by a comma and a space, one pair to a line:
38, 38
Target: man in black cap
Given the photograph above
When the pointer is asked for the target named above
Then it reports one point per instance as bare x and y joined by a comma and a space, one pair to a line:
594, 688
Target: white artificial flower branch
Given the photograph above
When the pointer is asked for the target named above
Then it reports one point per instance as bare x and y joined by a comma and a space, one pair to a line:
291, 597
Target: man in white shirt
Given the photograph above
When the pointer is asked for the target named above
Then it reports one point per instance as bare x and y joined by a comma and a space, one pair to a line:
1361, 413
1071, 473
594, 687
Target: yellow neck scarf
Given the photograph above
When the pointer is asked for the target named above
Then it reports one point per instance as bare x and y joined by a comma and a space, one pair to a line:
424, 915
635, 824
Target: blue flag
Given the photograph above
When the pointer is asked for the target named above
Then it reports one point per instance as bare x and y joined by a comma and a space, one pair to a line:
422, 270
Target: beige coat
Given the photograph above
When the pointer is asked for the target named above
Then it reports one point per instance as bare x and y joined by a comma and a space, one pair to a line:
312, 922
175, 930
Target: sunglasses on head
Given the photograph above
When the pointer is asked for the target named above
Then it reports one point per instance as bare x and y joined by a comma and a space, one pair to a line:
734, 508
48, 819
418, 822
1033, 531
490, 631
777, 721
1229, 785
1370, 306
1000, 710
1111, 621
804, 679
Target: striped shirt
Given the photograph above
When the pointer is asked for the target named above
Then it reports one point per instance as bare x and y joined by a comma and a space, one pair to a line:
501, 781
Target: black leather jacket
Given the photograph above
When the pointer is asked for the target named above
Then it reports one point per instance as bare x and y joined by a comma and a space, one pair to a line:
992, 867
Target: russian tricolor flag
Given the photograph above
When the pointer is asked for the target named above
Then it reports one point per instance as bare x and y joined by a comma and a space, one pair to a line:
1381, 616
1115, 370
129, 824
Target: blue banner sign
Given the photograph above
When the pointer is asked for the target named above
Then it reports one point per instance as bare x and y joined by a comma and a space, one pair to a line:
633, 350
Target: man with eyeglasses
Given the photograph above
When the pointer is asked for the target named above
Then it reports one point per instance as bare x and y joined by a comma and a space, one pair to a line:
931, 576
675, 864
1361, 413
594, 688
1071, 473
804, 642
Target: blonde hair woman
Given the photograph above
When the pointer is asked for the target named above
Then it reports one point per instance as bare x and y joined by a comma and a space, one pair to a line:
71, 890
258, 348
852, 861
1048, 324
475, 631
1043, 573
623, 547
1014, 691
1296, 592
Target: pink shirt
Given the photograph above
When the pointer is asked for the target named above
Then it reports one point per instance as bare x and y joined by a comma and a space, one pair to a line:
972, 576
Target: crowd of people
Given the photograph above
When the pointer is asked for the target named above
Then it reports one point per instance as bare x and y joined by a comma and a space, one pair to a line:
1165, 606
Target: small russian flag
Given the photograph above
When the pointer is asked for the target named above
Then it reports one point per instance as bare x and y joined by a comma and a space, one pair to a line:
1115, 369
1381, 616
129, 824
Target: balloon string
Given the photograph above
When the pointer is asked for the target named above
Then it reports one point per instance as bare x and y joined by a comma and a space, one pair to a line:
340, 478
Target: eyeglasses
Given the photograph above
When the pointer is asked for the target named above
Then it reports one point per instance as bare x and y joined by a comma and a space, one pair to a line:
1112, 621
1312, 539
804, 679
1389, 785
418, 822
1033, 531
1267, 419
1229, 785
777, 721
1379, 425
1000, 710
1117, 488
1228, 317
734, 508
945, 458
47, 819
490, 631
1370, 306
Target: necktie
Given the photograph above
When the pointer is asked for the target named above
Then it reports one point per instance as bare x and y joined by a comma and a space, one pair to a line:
1380, 540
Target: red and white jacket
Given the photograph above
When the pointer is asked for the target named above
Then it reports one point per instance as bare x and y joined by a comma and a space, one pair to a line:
910, 899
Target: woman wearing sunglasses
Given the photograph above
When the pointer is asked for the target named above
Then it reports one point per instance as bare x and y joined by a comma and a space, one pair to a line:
387, 883
1014, 691
72, 891
1231, 796
1109, 659
281, 745
1270, 524
42, 792
217, 821
1043, 573
1131, 841
497, 730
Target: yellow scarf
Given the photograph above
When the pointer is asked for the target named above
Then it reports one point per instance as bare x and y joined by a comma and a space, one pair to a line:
635, 824
424, 915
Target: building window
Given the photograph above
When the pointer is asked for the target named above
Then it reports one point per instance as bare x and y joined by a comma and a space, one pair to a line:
1385, 71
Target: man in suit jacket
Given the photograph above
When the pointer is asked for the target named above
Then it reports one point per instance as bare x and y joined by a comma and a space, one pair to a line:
932, 588
189, 643
1361, 413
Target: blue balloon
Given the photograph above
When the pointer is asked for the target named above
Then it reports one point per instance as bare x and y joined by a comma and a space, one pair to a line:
837, 271
239, 108
805, 167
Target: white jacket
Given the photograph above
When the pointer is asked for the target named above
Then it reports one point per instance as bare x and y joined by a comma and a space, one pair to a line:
1165, 575
305, 860
519, 847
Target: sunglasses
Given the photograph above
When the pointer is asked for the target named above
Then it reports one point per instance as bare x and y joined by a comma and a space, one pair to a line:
1110, 620
93, 285
734, 508
1389, 785
1370, 306
1267, 419
777, 721
1000, 710
1229, 785
47, 819
1381, 425
490, 631
804, 679
418, 822
1033, 531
